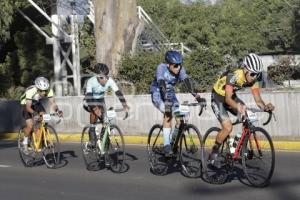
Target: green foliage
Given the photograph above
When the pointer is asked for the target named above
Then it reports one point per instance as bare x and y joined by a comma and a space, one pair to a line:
140, 69
284, 69
203, 66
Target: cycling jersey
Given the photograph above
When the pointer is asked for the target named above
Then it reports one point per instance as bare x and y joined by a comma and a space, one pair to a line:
32, 94
163, 73
98, 90
235, 80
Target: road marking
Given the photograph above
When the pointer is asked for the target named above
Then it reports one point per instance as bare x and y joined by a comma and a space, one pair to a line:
5, 166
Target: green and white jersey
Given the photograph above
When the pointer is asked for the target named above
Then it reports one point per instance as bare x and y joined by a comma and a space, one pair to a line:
98, 90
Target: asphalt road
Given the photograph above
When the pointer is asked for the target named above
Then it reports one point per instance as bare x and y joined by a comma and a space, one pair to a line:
73, 181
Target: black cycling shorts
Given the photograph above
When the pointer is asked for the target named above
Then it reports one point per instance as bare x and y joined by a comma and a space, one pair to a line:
220, 108
37, 107
88, 105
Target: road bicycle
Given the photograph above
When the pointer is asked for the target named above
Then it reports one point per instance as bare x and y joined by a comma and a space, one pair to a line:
186, 145
109, 151
43, 144
253, 151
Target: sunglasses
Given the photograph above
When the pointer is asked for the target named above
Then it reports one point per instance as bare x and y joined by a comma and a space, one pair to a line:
177, 66
42, 90
102, 77
254, 75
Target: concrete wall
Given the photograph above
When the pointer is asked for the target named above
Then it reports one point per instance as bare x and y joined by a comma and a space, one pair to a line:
143, 114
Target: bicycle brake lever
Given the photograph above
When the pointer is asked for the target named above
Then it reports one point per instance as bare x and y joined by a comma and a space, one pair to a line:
126, 115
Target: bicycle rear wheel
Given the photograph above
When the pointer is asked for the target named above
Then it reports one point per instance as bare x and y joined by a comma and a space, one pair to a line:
26, 158
156, 153
190, 151
91, 155
258, 164
116, 149
214, 174
51, 147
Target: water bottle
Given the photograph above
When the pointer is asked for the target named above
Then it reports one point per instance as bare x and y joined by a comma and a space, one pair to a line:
235, 142
230, 144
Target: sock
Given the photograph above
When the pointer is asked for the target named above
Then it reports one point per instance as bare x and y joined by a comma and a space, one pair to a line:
167, 132
25, 140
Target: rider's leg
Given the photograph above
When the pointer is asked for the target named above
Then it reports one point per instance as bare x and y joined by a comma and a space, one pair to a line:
94, 114
218, 107
27, 132
167, 132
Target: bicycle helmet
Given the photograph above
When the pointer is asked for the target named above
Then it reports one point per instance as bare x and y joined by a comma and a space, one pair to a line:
41, 83
101, 69
253, 63
173, 57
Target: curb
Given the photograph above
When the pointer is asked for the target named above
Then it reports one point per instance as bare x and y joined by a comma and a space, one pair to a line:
138, 139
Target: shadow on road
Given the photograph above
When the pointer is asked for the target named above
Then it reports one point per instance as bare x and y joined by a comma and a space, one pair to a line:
8, 144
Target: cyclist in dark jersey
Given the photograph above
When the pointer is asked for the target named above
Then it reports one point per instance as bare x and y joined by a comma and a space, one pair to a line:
224, 97
163, 92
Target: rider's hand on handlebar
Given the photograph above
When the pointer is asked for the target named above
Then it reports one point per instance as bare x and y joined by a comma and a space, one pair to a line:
200, 100
241, 108
269, 107
59, 113
126, 108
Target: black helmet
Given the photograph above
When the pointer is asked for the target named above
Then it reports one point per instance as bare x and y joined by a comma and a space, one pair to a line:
173, 57
101, 68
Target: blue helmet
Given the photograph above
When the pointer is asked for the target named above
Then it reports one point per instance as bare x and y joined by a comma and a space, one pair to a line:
173, 57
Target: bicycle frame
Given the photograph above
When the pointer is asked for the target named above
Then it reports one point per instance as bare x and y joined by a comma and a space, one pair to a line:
43, 134
103, 143
248, 128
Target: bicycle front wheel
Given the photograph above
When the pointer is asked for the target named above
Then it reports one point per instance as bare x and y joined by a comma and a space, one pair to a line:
190, 151
258, 157
51, 147
116, 149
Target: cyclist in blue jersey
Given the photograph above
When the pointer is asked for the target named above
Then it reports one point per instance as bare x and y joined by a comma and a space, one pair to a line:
94, 97
163, 92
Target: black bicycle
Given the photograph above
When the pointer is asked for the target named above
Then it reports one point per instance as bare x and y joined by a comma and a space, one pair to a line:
186, 146
253, 150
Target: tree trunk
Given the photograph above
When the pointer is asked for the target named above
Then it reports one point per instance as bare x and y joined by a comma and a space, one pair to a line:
115, 29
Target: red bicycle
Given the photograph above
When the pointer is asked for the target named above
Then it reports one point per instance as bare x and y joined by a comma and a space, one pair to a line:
252, 154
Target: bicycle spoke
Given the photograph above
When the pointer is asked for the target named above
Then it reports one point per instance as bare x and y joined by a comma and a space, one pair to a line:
216, 173
158, 165
116, 149
190, 152
258, 158
50, 147
91, 154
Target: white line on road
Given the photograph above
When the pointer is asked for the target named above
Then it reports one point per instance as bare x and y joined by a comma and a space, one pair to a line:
5, 166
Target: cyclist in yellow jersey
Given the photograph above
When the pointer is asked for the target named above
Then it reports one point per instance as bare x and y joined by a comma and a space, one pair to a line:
224, 97
33, 108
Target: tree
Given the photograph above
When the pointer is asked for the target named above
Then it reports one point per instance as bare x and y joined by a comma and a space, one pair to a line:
115, 26
285, 69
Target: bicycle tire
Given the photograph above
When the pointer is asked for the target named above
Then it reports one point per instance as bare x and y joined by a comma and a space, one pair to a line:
212, 174
190, 151
255, 163
91, 155
51, 151
155, 151
116, 149
26, 160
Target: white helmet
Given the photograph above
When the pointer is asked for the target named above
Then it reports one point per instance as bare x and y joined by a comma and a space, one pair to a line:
41, 83
253, 63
